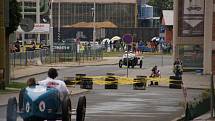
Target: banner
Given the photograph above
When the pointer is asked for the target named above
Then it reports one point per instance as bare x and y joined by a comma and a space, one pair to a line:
191, 18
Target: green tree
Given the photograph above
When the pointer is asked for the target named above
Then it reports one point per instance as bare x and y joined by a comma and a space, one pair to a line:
14, 20
14, 17
162, 4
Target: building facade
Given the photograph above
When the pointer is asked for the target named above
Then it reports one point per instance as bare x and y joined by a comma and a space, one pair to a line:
120, 12
194, 33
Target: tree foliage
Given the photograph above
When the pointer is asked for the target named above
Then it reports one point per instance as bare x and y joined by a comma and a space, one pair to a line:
14, 16
162, 4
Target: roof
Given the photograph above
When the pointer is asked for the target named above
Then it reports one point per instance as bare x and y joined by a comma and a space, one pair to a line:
146, 5
88, 1
167, 17
105, 24
97, 1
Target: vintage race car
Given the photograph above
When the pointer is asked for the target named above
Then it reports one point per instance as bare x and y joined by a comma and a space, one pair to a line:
39, 103
133, 60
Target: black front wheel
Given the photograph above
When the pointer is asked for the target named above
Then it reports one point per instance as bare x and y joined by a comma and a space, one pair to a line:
141, 64
120, 64
66, 109
12, 109
81, 109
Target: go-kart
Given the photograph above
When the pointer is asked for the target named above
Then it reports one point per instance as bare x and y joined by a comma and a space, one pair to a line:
39, 103
132, 61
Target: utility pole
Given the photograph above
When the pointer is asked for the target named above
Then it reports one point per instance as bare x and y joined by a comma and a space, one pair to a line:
38, 16
94, 23
51, 28
212, 96
59, 36
23, 16
2, 46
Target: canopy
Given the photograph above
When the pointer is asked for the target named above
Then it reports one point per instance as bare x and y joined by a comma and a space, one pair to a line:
155, 39
115, 38
106, 39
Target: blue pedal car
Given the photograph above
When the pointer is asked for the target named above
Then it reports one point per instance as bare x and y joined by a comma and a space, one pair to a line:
39, 103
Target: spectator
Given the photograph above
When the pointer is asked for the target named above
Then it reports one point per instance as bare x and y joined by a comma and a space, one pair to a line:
33, 45
17, 45
177, 62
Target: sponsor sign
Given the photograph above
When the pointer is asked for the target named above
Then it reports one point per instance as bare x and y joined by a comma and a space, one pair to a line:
38, 28
127, 38
191, 18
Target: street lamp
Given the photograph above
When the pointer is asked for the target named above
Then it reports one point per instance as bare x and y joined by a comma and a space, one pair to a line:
94, 20
51, 27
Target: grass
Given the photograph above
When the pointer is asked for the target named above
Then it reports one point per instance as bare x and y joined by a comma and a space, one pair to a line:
16, 85
112, 54
119, 54
13, 87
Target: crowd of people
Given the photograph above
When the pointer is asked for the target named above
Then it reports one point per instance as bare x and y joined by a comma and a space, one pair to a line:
17, 46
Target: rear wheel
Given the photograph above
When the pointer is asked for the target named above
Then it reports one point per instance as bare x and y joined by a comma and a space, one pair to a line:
81, 109
120, 64
66, 109
12, 109
141, 64
21, 93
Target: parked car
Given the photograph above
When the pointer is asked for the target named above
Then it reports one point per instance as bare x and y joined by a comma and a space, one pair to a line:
133, 60
39, 103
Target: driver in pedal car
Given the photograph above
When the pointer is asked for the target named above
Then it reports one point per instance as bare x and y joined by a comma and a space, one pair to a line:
51, 82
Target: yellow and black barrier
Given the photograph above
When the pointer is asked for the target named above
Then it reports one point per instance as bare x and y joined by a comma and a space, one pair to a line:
120, 80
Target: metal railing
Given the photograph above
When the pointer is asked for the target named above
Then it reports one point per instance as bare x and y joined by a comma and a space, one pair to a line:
44, 56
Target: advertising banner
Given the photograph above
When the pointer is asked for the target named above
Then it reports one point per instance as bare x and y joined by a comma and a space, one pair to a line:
191, 18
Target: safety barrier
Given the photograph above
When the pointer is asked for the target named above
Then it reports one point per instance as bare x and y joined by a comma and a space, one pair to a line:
175, 82
86, 83
140, 83
111, 81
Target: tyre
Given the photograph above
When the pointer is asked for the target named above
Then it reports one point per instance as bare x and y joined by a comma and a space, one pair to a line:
66, 109
176, 82
133, 63
21, 93
120, 64
175, 86
171, 77
81, 109
12, 109
141, 64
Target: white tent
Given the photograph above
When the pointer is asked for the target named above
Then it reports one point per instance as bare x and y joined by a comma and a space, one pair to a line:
115, 38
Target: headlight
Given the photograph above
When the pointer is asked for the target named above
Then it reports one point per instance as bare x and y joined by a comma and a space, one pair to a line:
42, 106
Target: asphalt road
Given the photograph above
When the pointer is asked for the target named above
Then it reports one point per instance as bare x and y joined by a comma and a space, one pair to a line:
126, 104
148, 62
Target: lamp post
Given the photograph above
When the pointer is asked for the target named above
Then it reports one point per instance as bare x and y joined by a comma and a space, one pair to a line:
59, 37
94, 20
23, 16
38, 16
51, 28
